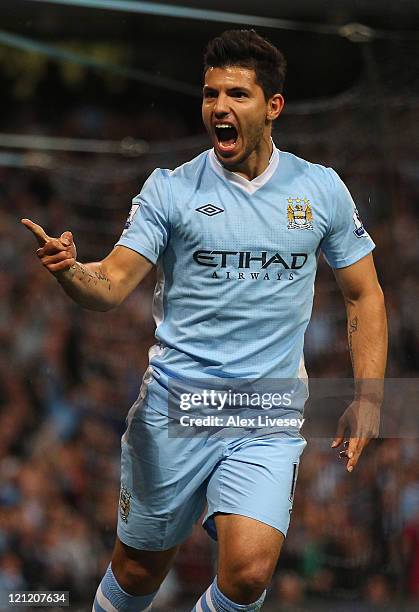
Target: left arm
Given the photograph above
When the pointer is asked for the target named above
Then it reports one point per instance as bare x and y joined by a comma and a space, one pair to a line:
367, 340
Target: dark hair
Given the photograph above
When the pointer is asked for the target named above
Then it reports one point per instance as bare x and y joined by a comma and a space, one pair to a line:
247, 49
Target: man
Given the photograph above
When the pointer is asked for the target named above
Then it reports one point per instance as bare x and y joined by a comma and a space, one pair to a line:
235, 235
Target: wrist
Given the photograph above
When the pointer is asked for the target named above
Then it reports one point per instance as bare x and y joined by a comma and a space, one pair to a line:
67, 275
369, 390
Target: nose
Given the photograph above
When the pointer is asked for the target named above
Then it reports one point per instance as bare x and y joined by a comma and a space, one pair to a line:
221, 107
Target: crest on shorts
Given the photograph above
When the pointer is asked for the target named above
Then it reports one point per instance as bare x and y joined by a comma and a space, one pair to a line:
124, 503
299, 213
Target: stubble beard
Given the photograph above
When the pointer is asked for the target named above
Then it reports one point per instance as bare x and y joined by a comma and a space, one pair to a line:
254, 139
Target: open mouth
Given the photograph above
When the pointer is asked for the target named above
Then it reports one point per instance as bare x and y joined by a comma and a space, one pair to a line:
226, 135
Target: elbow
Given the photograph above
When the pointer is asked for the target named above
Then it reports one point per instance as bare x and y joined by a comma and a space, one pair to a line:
374, 297
99, 306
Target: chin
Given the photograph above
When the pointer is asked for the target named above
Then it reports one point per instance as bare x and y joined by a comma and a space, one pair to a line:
226, 159
229, 163
233, 161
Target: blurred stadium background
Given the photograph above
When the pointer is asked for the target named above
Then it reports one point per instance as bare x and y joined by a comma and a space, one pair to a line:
94, 98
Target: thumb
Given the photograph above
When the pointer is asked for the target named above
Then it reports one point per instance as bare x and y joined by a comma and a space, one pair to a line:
66, 238
37, 231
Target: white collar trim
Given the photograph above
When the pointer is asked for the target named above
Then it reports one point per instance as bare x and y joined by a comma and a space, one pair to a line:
248, 186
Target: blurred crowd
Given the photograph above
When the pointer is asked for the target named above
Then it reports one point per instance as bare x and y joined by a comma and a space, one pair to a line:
68, 377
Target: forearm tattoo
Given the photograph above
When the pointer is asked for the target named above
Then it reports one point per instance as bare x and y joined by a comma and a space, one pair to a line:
352, 328
83, 274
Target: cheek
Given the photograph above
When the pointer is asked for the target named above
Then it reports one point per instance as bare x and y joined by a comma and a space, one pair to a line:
205, 115
255, 125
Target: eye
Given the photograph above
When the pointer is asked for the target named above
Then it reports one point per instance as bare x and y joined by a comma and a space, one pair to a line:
239, 94
210, 93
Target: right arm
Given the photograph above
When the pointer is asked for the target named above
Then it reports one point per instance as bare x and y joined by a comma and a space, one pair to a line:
105, 284
97, 286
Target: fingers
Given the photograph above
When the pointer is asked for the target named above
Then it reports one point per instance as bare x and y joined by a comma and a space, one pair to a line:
343, 454
56, 262
63, 265
47, 244
56, 254
37, 231
355, 448
363, 425
66, 238
47, 260
53, 246
340, 433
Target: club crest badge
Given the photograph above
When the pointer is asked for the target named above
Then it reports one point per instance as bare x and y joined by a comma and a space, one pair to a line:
299, 213
124, 503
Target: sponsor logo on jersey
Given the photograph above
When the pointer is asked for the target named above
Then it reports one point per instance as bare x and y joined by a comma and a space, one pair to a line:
124, 503
359, 231
300, 214
255, 265
209, 209
243, 259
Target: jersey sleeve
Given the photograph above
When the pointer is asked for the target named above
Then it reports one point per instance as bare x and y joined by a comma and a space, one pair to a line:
347, 241
147, 228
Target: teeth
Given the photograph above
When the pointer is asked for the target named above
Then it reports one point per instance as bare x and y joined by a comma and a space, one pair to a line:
223, 125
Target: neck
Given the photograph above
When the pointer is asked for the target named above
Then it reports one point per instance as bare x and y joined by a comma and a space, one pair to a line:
257, 161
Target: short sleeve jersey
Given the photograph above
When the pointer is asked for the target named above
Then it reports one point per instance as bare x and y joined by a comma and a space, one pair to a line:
237, 260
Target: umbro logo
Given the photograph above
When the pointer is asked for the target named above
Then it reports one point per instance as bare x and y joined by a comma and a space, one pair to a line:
209, 209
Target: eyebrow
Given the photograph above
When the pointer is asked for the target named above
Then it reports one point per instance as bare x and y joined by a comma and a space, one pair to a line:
233, 88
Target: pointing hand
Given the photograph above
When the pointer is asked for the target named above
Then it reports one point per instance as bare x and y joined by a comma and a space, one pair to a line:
56, 254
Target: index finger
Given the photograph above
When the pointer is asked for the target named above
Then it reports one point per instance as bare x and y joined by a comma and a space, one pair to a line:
36, 230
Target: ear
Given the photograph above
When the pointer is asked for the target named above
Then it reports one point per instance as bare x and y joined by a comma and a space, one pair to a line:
274, 107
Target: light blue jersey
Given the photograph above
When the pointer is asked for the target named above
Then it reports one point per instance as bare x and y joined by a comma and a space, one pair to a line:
237, 260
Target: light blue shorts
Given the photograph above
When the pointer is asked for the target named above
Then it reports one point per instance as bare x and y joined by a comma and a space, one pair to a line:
167, 482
